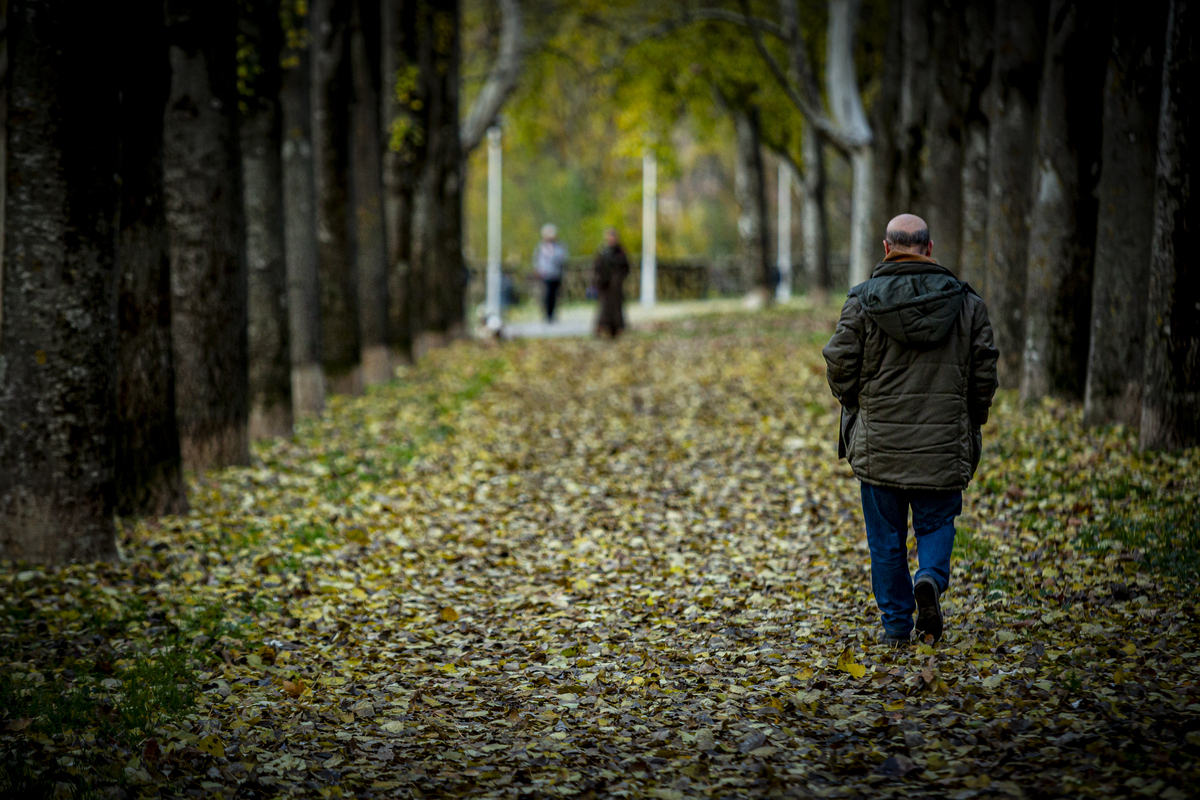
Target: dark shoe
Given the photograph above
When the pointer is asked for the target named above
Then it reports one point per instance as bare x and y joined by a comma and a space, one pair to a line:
929, 610
894, 640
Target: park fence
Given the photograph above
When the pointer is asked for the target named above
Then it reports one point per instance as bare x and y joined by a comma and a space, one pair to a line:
675, 279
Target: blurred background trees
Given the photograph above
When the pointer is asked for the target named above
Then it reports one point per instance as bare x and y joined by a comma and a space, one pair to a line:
300, 199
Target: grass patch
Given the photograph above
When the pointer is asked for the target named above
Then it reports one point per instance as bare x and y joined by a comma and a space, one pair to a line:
1167, 538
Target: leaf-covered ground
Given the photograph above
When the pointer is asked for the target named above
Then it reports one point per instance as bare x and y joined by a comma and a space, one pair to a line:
571, 568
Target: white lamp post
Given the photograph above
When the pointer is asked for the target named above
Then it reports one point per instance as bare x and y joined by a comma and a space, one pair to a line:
492, 304
649, 231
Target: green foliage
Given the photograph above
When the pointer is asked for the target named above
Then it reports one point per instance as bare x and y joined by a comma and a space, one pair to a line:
1165, 537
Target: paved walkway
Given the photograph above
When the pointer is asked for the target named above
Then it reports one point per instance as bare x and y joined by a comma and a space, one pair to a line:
578, 319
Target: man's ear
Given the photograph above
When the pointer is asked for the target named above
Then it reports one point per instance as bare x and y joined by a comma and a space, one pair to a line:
929, 249
887, 247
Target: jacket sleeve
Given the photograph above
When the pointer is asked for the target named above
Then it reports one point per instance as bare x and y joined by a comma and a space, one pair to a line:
843, 354
981, 387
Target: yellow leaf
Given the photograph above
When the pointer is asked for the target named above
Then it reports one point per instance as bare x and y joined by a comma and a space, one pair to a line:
895, 706
448, 614
1130, 649
846, 664
212, 745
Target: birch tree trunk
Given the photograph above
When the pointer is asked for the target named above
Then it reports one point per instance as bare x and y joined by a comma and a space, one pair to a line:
331, 89
1058, 299
814, 219
976, 88
845, 101
371, 249
149, 473
262, 178
1171, 395
1125, 222
750, 188
300, 234
942, 158
202, 177
1019, 45
58, 338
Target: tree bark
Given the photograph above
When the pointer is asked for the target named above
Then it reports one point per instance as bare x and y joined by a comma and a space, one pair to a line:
262, 176
1058, 299
399, 58
371, 249
942, 157
1125, 222
885, 123
815, 219
58, 353
202, 177
331, 90
1019, 45
437, 278
1171, 395
751, 191
915, 85
300, 227
149, 472
976, 88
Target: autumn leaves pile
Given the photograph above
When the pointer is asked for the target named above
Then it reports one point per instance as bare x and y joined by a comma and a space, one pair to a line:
570, 568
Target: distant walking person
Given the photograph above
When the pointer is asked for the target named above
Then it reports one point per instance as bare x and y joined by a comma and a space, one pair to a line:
913, 365
548, 260
609, 271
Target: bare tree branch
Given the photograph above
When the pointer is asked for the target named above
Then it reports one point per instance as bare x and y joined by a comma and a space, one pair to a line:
502, 78
811, 111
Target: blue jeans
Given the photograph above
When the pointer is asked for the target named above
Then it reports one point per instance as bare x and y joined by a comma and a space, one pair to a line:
886, 514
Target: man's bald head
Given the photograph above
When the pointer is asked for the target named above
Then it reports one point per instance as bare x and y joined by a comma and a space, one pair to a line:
908, 233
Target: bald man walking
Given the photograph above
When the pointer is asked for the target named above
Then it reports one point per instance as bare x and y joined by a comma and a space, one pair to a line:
913, 364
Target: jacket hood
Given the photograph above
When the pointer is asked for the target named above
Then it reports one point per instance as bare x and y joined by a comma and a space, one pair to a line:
913, 299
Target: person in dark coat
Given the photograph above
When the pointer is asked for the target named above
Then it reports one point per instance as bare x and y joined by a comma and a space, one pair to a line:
609, 272
913, 364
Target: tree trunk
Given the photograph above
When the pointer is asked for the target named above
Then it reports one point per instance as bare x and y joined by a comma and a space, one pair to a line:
149, 473
58, 353
399, 58
331, 89
1125, 223
202, 177
751, 190
437, 277
915, 85
1019, 45
885, 124
942, 157
976, 89
815, 219
300, 230
262, 176
845, 102
1171, 396
1058, 299
371, 250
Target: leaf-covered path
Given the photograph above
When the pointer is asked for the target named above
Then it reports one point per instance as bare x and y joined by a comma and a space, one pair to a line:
569, 568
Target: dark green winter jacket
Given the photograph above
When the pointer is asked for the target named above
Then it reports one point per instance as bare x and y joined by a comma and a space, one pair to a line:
914, 366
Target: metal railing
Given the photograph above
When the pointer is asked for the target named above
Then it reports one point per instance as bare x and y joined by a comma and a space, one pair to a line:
676, 279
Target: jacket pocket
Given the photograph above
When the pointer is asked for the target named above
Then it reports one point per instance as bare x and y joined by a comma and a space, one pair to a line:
846, 434
975, 448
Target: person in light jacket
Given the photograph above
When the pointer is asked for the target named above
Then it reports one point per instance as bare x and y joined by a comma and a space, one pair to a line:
549, 257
